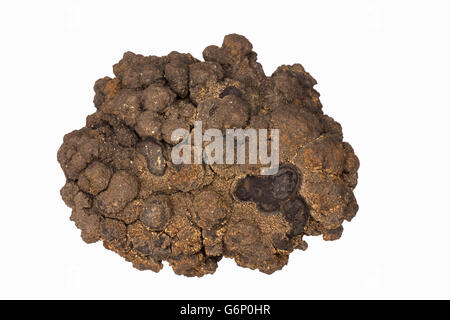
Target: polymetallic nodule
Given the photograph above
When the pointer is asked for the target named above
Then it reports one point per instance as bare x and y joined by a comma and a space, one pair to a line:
124, 189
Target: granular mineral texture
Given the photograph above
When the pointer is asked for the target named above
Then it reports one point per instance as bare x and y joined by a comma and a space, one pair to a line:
125, 190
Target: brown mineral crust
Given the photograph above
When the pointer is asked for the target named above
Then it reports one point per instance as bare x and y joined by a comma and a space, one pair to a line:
149, 243
249, 245
154, 156
94, 178
156, 213
114, 234
142, 263
68, 193
227, 112
179, 115
137, 71
149, 125
80, 147
157, 98
124, 190
210, 209
88, 222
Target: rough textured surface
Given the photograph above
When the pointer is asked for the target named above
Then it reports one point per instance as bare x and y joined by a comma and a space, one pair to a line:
124, 190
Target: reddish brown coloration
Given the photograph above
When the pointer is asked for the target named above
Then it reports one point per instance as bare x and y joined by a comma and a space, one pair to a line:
124, 189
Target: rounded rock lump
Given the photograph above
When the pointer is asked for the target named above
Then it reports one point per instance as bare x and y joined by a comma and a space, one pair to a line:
125, 191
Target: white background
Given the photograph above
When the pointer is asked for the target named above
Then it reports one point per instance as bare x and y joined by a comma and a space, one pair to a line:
383, 72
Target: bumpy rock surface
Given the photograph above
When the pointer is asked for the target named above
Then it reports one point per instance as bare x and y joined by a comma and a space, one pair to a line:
125, 191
